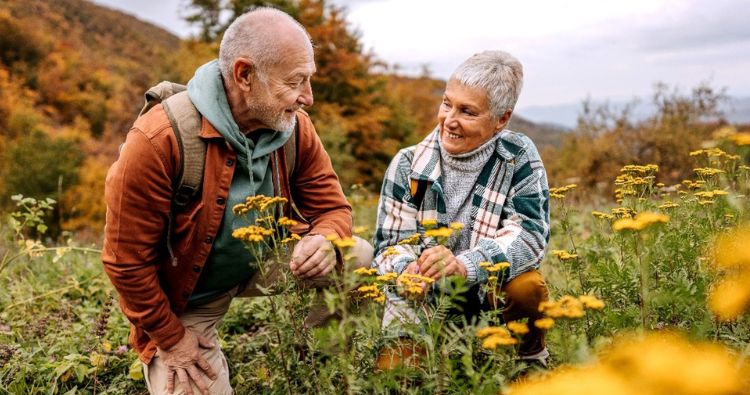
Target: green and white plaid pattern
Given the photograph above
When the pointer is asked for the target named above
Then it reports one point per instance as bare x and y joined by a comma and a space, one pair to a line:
510, 207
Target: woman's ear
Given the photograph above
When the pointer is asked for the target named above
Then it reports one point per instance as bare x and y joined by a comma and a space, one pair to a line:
502, 122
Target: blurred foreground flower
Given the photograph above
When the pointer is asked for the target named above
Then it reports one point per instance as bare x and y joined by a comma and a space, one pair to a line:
731, 296
640, 222
654, 365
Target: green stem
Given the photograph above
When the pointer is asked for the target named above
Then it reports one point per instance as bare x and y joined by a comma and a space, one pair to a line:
643, 269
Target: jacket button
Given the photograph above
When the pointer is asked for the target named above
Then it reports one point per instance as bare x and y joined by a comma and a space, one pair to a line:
196, 268
220, 201
230, 162
208, 240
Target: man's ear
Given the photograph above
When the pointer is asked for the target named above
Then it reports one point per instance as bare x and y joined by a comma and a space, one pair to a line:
244, 73
502, 122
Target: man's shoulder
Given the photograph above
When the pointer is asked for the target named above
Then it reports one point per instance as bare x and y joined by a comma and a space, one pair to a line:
154, 124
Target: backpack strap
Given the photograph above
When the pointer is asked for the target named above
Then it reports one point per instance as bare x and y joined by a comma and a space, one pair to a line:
186, 123
156, 94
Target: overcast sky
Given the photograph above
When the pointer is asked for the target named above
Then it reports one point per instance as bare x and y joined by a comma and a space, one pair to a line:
570, 49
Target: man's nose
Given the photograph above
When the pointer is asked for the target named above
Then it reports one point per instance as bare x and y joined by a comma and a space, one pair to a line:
306, 98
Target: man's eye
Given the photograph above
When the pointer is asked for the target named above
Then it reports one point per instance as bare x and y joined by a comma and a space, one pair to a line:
446, 104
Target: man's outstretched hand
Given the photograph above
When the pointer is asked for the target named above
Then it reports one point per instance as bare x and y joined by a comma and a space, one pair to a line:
313, 257
185, 361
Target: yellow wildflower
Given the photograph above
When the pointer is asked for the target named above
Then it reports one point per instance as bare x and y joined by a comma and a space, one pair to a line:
439, 232
365, 271
390, 251
732, 249
730, 298
591, 302
492, 330
429, 223
601, 215
640, 222
668, 204
740, 138
519, 328
492, 342
413, 239
544, 323
292, 238
346, 242
390, 276
97, 360
485, 264
456, 225
284, 221
360, 229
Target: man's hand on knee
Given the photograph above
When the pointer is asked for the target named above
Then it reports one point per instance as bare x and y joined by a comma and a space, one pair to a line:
185, 361
313, 257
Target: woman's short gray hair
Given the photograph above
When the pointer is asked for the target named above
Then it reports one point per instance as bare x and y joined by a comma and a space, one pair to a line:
496, 72
248, 36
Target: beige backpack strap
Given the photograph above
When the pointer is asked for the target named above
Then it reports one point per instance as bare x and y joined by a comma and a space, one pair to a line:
186, 123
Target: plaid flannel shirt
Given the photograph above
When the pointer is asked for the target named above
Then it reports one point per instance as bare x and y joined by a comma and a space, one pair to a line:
509, 217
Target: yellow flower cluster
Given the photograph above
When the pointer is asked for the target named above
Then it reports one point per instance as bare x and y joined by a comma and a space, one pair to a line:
623, 212
559, 192
284, 221
412, 286
519, 328
429, 223
570, 307
601, 215
708, 171
544, 323
252, 233
714, 153
439, 232
413, 239
668, 204
740, 138
711, 194
292, 238
731, 296
390, 251
640, 222
494, 268
359, 230
456, 226
495, 336
365, 271
640, 169
654, 365
563, 255
257, 203
690, 184
344, 243
371, 291
386, 278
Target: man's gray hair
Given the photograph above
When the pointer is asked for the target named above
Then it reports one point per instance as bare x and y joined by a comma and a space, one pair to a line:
496, 72
249, 36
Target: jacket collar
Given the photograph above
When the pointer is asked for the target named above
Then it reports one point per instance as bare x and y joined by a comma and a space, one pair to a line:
426, 163
208, 131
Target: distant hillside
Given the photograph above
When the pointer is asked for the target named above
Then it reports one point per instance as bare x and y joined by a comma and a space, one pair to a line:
81, 60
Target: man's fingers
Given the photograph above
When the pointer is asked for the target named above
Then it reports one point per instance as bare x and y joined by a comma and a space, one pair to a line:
184, 381
170, 381
435, 270
314, 261
195, 375
204, 342
206, 367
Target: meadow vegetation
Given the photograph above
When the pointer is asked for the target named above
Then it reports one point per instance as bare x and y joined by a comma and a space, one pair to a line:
648, 264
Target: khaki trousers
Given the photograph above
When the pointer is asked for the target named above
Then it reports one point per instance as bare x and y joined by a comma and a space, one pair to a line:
204, 320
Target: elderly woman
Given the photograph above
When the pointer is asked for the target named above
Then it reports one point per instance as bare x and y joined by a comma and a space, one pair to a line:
471, 170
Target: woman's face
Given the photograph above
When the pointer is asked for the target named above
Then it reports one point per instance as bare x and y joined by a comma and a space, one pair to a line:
465, 120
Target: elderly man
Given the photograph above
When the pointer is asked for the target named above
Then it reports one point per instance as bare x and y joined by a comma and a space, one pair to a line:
177, 270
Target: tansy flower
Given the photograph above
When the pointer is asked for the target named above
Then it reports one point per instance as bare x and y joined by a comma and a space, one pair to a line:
544, 323
601, 215
640, 222
284, 221
429, 223
413, 239
360, 229
346, 242
519, 328
439, 232
292, 237
456, 226
492, 342
390, 251
591, 302
386, 277
492, 330
364, 271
